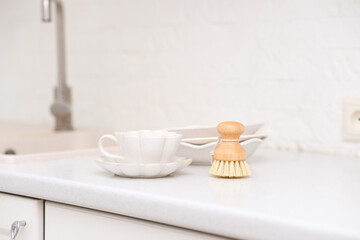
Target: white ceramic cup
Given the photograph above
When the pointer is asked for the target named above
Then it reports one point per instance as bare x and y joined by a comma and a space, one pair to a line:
143, 146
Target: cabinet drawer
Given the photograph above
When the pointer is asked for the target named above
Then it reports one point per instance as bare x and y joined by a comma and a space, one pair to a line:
73, 223
15, 208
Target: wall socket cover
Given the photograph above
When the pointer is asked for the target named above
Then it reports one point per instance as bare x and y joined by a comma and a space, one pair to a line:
351, 119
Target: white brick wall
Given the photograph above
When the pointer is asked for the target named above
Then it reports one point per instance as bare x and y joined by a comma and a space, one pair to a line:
135, 64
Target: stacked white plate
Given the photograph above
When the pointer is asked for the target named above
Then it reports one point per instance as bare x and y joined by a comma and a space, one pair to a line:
198, 142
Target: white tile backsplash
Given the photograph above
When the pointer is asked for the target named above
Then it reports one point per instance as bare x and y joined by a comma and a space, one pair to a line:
135, 64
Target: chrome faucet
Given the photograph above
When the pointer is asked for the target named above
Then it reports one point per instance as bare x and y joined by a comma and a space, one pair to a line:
61, 108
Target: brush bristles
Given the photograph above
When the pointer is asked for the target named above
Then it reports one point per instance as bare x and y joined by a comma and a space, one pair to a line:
230, 169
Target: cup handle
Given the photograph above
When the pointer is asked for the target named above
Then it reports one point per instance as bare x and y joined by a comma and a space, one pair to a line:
102, 149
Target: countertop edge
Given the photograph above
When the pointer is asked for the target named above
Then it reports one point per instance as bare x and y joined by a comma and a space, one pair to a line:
173, 209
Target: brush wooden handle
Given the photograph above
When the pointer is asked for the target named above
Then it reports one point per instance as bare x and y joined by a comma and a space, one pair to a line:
230, 150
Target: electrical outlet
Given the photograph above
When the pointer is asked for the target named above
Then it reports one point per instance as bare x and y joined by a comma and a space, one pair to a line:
351, 119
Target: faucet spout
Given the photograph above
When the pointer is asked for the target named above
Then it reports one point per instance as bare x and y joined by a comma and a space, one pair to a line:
46, 10
61, 108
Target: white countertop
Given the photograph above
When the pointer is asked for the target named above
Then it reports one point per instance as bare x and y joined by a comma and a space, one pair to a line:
289, 195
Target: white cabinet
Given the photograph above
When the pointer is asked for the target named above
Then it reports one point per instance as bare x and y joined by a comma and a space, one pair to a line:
15, 208
74, 223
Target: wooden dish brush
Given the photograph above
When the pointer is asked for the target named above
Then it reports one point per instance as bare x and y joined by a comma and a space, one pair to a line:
229, 159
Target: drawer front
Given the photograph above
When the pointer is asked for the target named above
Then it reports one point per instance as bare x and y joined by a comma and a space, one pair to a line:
73, 223
15, 208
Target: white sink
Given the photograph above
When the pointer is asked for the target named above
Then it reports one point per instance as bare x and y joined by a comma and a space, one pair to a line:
36, 143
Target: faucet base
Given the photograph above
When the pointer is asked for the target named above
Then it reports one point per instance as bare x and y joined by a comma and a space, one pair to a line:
63, 124
61, 109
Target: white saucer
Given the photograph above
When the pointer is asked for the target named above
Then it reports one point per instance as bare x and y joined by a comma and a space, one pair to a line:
139, 170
